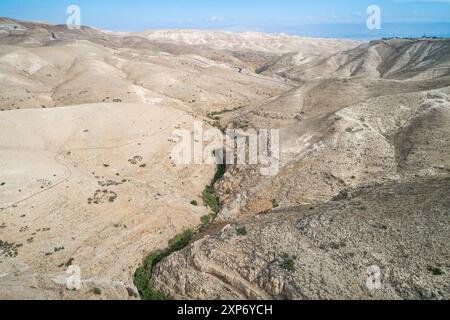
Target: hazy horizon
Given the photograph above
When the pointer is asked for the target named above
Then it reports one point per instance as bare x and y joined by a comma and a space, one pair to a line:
323, 18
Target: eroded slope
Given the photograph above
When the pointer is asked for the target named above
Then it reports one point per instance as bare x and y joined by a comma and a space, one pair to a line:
325, 252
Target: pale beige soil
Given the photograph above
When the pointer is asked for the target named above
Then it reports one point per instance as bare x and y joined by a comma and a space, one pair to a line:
54, 160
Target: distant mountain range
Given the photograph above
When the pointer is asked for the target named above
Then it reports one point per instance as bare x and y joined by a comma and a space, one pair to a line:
355, 31
361, 32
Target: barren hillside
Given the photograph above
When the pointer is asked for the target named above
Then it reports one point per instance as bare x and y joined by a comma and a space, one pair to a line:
362, 119
87, 177
325, 251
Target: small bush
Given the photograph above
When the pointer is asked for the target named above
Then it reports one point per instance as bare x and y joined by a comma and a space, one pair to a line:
436, 271
141, 280
206, 222
206, 219
97, 291
153, 295
181, 240
210, 199
220, 171
194, 203
241, 231
288, 262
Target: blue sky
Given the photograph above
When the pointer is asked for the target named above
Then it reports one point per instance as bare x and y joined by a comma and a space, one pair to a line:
290, 16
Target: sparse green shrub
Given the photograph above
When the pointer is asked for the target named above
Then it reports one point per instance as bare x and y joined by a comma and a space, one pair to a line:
206, 222
180, 241
210, 199
143, 275
436, 271
242, 231
206, 219
96, 291
288, 262
194, 203
220, 171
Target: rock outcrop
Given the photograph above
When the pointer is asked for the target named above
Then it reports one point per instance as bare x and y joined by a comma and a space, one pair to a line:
397, 231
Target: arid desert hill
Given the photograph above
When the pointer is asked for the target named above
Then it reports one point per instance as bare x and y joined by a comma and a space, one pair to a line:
399, 59
87, 178
325, 251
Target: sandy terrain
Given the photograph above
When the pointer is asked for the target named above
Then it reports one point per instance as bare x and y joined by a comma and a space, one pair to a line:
90, 184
